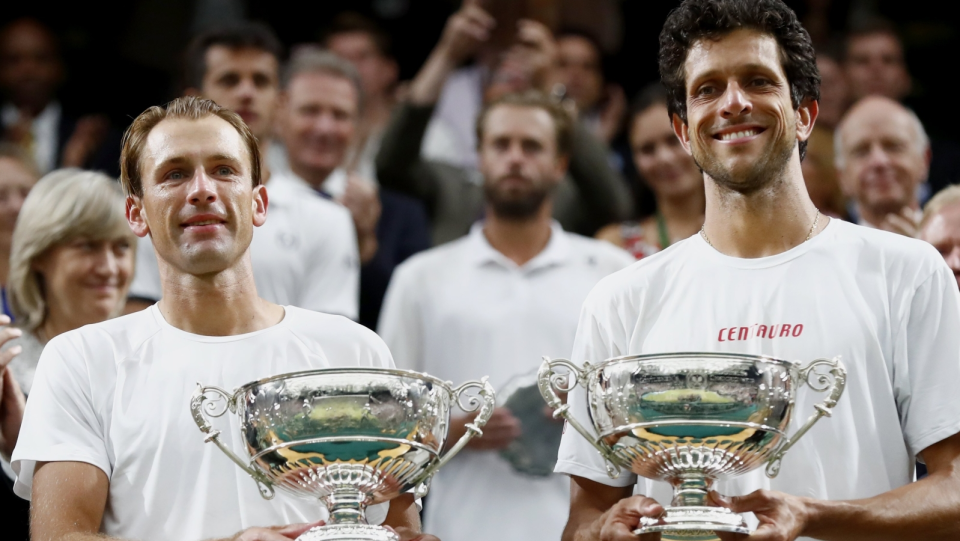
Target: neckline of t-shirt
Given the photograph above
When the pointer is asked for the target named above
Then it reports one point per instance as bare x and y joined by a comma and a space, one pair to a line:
769, 261
213, 339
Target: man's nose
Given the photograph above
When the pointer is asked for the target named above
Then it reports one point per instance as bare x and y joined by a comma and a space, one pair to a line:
735, 102
202, 189
878, 157
246, 89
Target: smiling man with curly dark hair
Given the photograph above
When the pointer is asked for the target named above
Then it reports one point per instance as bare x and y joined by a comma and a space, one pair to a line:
770, 275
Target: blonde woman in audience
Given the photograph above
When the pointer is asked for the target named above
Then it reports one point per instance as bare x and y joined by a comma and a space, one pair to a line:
70, 264
671, 174
17, 175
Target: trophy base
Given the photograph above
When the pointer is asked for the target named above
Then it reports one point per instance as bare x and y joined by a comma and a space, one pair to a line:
693, 523
348, 532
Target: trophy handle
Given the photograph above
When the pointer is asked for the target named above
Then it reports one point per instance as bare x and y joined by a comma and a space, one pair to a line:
217, 406
485, 403
834, 380
551, 383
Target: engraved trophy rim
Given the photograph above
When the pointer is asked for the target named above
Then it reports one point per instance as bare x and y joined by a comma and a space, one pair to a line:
448, 385
647, 357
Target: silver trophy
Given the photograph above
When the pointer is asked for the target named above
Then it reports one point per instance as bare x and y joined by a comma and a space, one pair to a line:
347, 437
690, 419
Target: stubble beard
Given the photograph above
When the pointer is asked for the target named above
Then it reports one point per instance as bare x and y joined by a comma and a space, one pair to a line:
764, 172
519, 207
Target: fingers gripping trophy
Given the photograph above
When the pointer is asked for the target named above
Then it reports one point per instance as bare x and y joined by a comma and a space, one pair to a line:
690, 419
347, 437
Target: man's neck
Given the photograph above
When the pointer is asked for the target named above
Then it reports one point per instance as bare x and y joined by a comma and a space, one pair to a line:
763, 223
519, 240
221, 304
314, 177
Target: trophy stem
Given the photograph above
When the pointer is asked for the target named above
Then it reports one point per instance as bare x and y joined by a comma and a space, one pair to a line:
346, 505
690, 489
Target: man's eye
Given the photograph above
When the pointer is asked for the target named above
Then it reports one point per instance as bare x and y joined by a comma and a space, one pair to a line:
224, 171
705, 90
176, 175
760, 81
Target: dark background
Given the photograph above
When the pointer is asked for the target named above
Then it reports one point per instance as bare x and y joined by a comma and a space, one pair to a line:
123, 57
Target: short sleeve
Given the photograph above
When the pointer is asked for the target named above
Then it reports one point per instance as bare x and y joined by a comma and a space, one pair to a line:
61, 422
401, 325
927, 362
599, 337
332, 281
146, 276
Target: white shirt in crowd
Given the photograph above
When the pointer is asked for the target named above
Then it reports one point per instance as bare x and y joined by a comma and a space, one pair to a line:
462, 311
886, 304
305, 254
44, 133
117, 394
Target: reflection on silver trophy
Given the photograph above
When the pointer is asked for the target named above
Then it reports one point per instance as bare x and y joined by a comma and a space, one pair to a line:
690, 419
348, 437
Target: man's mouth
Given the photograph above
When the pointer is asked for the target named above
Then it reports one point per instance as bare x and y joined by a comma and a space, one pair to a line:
204, 222
737, 134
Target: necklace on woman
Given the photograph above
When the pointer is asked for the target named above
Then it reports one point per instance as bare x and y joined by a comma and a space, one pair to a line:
816, 220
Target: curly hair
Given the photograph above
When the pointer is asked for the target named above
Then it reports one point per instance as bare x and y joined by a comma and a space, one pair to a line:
711, 19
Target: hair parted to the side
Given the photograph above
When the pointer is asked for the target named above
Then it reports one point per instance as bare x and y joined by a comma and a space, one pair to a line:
189, 108
64, 205
695, 20
562, 122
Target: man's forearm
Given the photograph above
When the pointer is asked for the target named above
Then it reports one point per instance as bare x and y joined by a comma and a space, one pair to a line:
426, 87
928, 509
583, 525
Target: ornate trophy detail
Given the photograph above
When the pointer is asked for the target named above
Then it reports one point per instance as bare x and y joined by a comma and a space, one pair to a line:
690, 419
349, 437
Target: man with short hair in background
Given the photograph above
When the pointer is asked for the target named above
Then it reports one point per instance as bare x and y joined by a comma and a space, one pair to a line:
364, 44
306, 253
940, 226
883, 159
492, 303
321, 106
580, 71
874, 63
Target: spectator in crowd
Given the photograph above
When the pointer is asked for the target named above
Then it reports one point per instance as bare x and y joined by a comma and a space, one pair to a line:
364, 44
834, 93
492, 303
592, 196
883, 157
305, 255
17, 175
318, 123
874, 63
940, 226
580, 71
70, 265
30, 72
669, 172
108, 448
820, 173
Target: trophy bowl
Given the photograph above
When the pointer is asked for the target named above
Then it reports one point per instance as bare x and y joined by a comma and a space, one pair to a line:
348, 437
690, 419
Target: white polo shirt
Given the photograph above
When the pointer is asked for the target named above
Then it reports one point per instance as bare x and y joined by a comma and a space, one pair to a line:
886, 304
305, 254
462, 311
116, 395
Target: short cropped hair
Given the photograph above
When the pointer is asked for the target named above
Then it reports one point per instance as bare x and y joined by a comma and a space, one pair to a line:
64, 205
563, 124
350, 22
15, 152
312, 59
944, 198
695, 20
244, 35
870, 27
190, 108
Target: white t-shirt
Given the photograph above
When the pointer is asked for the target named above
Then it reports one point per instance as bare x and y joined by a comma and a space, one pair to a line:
886, 304
117, 395
305, 255
462, 311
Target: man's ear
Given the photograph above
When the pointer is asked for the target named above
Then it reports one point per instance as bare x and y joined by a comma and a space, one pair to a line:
680, 128
260, 202
806, 117
136, 216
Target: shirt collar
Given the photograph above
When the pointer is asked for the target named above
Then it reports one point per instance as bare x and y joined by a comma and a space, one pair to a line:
333, 187
557, 251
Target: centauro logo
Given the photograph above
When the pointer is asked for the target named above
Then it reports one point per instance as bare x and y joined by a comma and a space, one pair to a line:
781, 330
